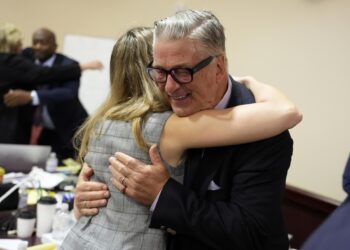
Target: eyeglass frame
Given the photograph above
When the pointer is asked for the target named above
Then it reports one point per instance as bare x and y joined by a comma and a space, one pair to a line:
202, 64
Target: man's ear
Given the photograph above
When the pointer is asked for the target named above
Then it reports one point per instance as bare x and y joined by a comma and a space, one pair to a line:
221, 71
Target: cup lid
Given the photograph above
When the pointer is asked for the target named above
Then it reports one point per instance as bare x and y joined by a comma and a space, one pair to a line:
26, 214
47, 200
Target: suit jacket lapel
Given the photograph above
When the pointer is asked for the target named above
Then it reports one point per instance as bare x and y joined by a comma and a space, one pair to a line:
58, 59
202, 164
206, 171
192, 162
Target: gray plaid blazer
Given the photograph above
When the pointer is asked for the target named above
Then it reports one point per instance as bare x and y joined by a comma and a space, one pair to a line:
123, 223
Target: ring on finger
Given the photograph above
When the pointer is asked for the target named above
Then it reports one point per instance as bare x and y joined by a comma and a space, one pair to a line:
85, 204
122, 181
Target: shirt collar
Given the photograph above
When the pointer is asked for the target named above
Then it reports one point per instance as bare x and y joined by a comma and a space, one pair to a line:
225, 99
48, 63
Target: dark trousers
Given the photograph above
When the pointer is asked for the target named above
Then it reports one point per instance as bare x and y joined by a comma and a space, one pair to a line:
63, 149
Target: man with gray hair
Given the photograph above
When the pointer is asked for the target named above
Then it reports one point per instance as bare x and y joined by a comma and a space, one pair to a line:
231, 196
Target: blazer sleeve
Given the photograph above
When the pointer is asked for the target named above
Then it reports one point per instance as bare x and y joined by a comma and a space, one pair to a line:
64, 92
61, 92
17, 69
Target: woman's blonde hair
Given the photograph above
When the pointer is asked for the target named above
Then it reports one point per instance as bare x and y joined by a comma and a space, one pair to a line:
10, 38
132, 93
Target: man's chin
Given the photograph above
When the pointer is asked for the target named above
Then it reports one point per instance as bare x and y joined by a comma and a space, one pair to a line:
41, 57
182, 112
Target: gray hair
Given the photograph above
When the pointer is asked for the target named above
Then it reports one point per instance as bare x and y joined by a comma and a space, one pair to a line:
202, 26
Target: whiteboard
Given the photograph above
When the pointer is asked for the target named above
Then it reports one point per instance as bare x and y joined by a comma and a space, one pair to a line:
94, 85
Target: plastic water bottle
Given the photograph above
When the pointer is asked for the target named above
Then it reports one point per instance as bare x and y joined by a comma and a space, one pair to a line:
62, 222
51, 162
23, 196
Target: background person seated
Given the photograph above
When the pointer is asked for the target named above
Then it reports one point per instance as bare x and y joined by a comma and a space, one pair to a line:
334, 233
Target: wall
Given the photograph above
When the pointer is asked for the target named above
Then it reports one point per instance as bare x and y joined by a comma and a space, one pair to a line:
300, 46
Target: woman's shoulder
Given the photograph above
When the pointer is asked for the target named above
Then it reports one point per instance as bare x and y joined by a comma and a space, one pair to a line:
158, 116
156, 120
153, 125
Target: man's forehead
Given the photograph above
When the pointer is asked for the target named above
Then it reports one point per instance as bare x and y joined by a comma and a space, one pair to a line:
43, 36
184, 44
181, 52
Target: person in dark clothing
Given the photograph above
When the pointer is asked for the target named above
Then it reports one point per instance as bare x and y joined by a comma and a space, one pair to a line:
18, 72
334, 231
58, 109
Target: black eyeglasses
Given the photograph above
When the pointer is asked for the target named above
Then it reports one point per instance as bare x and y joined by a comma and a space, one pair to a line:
180, 75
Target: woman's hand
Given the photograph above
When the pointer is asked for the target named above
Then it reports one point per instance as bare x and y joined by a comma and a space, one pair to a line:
89, 195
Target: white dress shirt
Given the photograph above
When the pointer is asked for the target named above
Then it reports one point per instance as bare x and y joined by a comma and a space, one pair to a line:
46, 119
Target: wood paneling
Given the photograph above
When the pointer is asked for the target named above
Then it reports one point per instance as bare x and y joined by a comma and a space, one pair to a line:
304, 212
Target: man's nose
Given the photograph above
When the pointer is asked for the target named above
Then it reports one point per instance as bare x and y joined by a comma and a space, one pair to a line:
171, 85
37, 45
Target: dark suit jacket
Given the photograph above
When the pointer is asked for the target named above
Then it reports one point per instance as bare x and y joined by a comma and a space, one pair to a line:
346, 177
18, 72
14, 69
64, 107
245, 212
335, 230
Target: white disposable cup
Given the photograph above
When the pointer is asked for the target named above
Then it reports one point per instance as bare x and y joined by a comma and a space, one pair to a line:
45, 211
25, 227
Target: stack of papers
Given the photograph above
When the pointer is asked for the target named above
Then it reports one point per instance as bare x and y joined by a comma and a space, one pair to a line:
13, 244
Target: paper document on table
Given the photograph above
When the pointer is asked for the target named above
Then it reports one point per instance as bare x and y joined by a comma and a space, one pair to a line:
13, 244
46, 180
